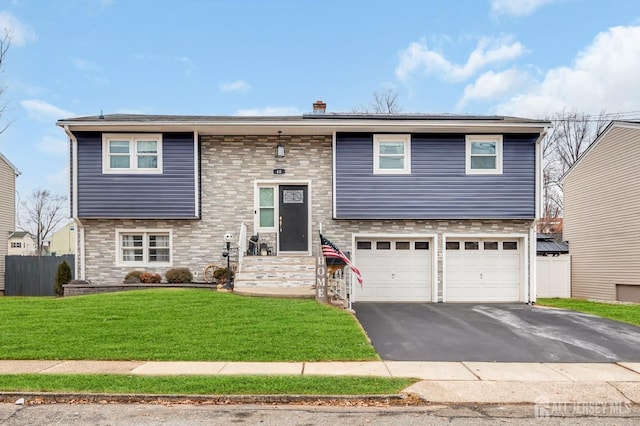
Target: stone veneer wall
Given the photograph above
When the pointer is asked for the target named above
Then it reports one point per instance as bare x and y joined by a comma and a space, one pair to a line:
230, 167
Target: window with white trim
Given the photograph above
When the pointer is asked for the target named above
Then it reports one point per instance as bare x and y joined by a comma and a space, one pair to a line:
16, 244
391, 154
131, 153
143, 247
484, 154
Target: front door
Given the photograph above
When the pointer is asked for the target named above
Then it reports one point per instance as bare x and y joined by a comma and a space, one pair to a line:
294, 218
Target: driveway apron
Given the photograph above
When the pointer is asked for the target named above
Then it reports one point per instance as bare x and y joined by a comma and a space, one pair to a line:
495, 332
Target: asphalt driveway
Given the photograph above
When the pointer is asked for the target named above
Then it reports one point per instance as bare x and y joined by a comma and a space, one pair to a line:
494, 332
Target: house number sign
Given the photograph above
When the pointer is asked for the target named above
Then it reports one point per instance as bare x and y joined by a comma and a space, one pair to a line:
293, 196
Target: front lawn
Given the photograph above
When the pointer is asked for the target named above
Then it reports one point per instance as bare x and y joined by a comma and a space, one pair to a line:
629, 313
204, 385
178, 325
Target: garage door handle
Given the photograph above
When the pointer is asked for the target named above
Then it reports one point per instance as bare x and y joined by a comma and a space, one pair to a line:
480, 276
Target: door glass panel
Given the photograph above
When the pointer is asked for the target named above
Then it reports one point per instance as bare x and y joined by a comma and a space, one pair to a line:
383, 245
266, 197
453, 245
422, 245
266, 218
403, 245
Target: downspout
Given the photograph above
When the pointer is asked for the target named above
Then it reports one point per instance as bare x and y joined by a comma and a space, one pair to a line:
79, 267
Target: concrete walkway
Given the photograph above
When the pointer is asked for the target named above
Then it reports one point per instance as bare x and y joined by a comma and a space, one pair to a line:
441, 382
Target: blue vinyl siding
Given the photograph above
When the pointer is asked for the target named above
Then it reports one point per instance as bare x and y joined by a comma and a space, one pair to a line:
154, 196
438, 187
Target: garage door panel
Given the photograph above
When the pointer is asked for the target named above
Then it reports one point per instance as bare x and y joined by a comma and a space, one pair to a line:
400, 275
476, 274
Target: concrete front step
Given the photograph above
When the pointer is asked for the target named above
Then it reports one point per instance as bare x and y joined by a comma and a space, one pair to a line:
274, 282
277, 271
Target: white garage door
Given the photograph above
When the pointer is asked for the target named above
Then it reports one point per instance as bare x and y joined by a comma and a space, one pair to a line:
394, 270
483, 270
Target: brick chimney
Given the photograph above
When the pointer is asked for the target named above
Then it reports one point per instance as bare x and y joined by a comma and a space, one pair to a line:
319, 107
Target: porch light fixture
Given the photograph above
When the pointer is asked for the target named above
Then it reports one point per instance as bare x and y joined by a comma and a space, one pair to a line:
279, 147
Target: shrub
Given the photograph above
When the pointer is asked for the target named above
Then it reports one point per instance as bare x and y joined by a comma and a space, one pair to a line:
150, 278
179, 276
133, 277
63, 276
220, 275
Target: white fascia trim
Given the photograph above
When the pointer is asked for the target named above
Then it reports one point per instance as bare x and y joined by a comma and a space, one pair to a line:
524, 283
434, 254
196, 175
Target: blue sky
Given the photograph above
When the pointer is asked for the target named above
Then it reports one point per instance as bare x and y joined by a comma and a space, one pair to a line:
526, 58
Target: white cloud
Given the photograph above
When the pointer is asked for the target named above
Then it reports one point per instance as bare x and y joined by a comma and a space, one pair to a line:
604, 76
53, 145
517, 7
84, 65
18, 32
269, 111
43, 110
188, 64
493, 85
59, 179
419, 59
239, 86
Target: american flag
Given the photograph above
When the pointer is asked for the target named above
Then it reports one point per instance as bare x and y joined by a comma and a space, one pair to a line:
330, 250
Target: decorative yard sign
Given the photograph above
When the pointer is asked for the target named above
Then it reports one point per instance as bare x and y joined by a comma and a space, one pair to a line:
321, 280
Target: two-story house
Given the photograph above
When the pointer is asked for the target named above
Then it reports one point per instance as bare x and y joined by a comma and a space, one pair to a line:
21, 243
430, 207
8, 174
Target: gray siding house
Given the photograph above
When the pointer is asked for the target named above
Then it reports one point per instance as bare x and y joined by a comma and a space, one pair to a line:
601, 216
8, 174
436, 208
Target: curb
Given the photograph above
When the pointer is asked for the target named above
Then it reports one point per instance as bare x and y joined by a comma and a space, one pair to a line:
36, 398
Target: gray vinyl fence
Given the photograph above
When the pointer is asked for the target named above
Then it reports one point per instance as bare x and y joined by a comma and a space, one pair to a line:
33, 275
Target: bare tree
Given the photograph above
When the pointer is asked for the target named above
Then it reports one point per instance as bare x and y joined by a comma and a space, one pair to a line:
383, 102
5, 41
572, 133
41, 214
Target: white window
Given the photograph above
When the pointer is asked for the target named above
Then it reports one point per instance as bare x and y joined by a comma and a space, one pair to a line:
124, 153
391, 154
143, 247
266, 208
484, 154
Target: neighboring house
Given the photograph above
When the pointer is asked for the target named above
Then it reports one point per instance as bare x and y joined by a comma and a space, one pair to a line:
8, 174
63, 241
430, 207
602, 216
21, 243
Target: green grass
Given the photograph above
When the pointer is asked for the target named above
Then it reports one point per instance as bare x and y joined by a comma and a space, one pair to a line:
619, 312
204, 385
179, 325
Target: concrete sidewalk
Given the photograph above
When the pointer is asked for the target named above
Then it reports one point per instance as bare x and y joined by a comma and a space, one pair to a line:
442, 382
